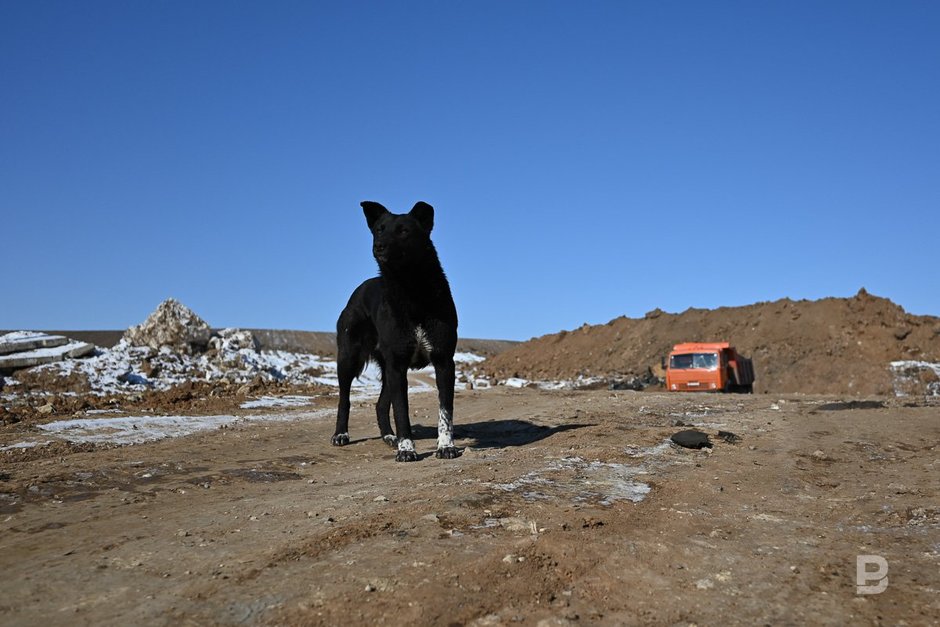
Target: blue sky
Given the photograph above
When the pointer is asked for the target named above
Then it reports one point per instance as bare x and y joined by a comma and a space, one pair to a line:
586, 159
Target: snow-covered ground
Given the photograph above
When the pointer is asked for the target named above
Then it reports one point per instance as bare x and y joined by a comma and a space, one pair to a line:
141, 429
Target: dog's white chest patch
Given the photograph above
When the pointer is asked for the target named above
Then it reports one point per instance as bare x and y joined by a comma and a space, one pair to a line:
424, 344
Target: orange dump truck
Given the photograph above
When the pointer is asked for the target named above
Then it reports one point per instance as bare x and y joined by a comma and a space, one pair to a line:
708, 367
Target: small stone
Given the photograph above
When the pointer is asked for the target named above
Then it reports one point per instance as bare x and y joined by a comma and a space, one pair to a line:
370, 587
380, 499
46, 409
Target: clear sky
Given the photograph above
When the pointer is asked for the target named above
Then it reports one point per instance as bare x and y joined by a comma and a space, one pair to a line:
586, 159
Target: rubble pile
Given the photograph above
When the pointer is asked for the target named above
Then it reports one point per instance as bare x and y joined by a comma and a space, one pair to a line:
171, 347
172, 325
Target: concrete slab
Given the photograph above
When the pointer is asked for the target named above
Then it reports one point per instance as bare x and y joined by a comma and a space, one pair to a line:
40, 356
20, 341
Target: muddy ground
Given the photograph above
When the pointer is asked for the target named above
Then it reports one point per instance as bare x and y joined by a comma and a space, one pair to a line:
565, 508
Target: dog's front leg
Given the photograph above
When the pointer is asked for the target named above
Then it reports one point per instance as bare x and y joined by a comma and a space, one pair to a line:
444, 371
396, 378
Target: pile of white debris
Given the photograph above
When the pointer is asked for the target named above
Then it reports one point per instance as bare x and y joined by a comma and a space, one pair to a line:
913, 378
174, 345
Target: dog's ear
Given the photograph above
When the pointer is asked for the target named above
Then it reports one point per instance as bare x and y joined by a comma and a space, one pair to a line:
373, 211
424, 214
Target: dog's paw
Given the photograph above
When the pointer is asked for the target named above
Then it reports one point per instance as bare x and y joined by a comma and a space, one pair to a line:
406, 456
447, 452
391, 440
340, 439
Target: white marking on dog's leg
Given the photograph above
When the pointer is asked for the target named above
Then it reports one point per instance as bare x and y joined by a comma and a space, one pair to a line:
390, 439
445, 429
406, 446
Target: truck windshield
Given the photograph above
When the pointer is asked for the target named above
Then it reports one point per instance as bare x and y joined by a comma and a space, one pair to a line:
708, 361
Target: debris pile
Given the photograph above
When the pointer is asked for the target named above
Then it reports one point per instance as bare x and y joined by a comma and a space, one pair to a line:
172, 325
172, 347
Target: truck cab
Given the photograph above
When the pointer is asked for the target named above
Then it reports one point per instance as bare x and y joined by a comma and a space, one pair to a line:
708, 367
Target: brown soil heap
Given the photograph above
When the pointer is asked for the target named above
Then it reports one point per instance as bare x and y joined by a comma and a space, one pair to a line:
828, 346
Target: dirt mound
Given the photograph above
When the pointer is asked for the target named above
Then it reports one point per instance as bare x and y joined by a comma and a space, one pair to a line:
860, 345
173, 325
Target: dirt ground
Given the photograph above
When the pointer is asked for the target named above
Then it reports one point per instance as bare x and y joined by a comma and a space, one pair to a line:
566, 507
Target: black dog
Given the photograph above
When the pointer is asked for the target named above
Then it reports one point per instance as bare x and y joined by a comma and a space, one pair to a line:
404, 318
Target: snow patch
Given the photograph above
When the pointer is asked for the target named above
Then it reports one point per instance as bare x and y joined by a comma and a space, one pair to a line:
915, 377
141, 429
580, 481
17, 336
278, 401
21, 445
461, 357
565, 384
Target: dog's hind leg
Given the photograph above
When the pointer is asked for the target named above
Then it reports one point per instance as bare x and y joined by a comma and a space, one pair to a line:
351, 357
444, 374
383, 406
346, 371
